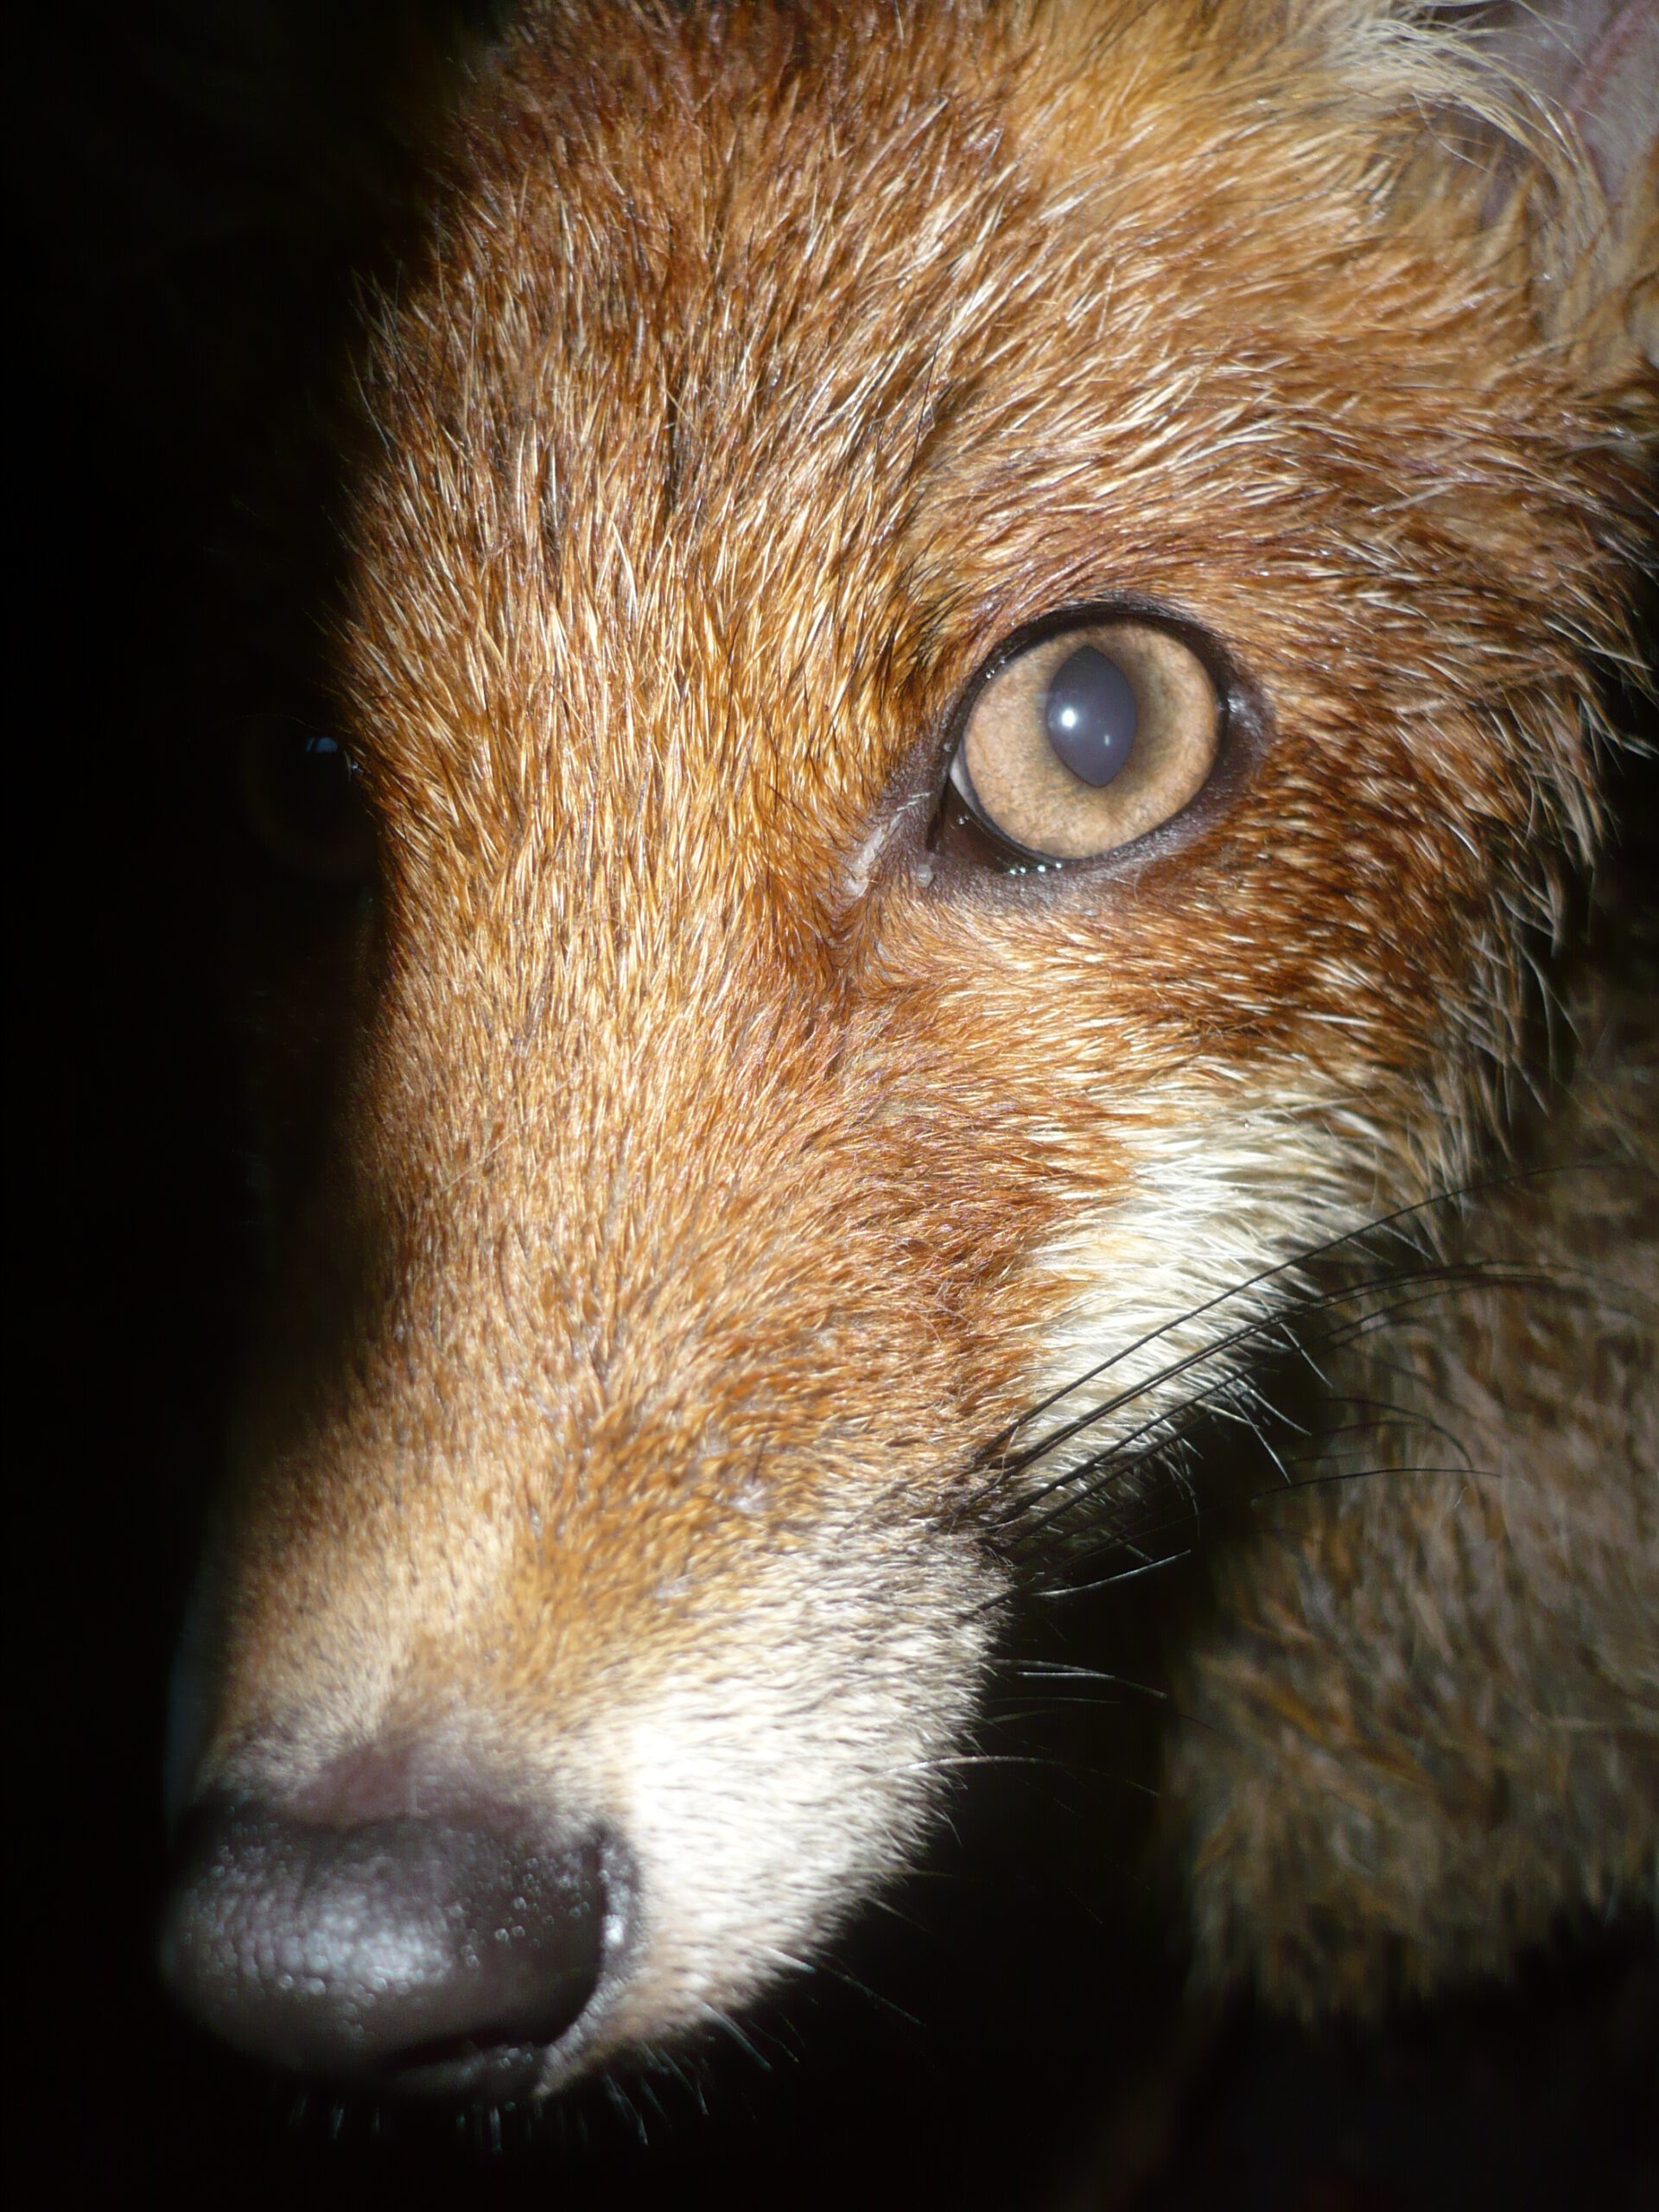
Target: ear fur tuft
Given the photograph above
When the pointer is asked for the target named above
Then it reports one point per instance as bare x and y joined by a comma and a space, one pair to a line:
1554, 104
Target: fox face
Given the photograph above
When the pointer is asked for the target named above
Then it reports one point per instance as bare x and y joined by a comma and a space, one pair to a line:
967, 650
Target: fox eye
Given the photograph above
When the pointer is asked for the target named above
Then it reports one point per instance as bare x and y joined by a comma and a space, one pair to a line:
300, 789
1084, 741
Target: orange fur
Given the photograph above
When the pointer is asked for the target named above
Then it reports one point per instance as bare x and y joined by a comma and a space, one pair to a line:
698, 1169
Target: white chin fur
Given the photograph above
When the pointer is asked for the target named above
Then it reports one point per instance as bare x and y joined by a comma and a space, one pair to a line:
770, 1781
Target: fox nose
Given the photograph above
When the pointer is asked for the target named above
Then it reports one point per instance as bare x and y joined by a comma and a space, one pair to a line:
431, 1956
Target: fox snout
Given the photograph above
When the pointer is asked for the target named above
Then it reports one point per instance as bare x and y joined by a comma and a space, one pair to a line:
593, 1608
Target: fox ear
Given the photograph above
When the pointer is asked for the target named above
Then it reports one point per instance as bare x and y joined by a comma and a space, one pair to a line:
1596, 62
1586, 185
1541, 118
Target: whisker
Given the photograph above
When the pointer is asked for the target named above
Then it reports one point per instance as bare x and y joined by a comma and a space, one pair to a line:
1111, 1582
1054, 1670
1391, 1224
1260, 1328
1465, 1471
1379, 1225
1422, 1286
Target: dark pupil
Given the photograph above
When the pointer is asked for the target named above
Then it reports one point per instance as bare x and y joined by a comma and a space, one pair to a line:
1089, 715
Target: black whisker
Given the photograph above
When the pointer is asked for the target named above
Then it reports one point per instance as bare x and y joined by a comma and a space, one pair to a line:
1379, 1225
1151, 1440
1465, 1472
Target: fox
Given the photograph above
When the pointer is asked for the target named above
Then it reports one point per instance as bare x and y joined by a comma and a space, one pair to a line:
963, 782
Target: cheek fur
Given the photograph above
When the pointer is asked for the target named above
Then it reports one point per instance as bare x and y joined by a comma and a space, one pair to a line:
1156, 1291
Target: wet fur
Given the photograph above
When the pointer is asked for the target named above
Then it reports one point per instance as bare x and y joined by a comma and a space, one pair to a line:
684, 1183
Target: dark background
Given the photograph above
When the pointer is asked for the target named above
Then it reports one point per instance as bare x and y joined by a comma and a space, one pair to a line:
188, 196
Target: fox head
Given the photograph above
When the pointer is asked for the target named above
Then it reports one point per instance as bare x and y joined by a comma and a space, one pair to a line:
968, 648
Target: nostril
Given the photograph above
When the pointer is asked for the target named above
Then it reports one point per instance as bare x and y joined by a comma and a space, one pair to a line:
429, 1956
